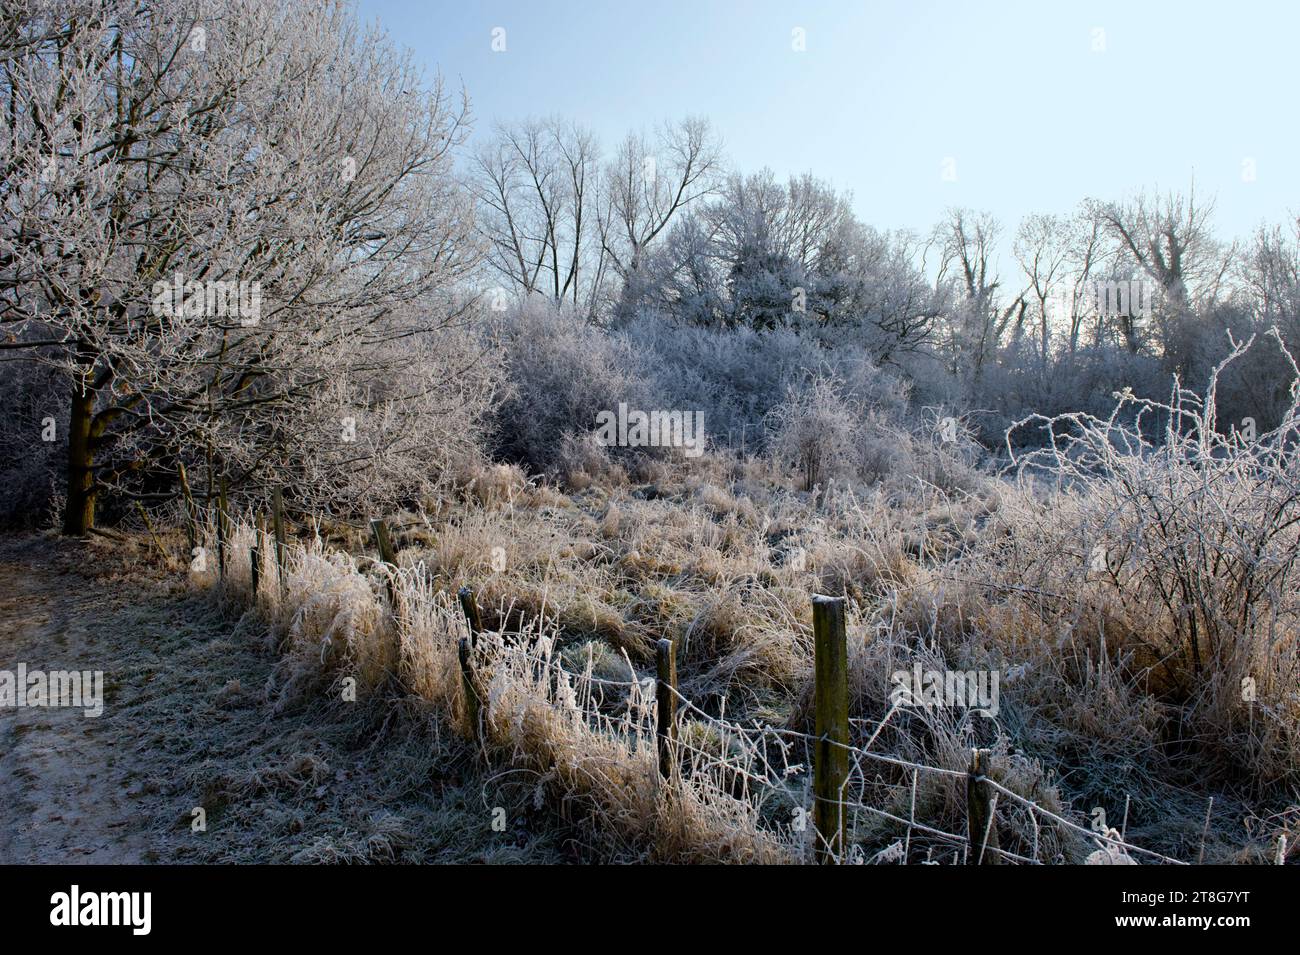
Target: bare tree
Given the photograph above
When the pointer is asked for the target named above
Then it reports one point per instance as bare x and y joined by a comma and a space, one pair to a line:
965, 242
1086, 254
1059, 256
650, 181
538, 187
1169, 239
1042, 248
1270, 275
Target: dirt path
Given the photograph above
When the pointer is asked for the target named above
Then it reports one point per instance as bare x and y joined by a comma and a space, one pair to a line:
76, 788
187, 724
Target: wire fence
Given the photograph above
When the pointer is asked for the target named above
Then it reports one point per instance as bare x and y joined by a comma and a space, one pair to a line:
853, 795
771, 767
890, 806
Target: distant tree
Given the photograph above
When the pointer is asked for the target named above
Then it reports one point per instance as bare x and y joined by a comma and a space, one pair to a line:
1170, 242
764, 255
1269, 273
649, 181
1060, 257
1042, 247
965, 241
538, 185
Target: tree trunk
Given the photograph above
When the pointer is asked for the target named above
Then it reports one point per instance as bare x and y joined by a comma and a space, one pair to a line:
79, 515
1129, 330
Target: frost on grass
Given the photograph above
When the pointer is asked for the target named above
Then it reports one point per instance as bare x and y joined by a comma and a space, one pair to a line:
1122, 682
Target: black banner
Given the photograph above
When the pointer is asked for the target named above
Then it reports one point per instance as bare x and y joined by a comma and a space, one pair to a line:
213, 905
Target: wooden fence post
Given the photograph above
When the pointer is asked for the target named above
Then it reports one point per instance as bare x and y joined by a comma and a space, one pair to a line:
277, 525
379, 528
464, 649
666, 704
191, 522
831, 701
254, 559
469, 606
259, 547
981, 827
222, 527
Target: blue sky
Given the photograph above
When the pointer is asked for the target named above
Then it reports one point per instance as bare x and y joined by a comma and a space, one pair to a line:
1034, 117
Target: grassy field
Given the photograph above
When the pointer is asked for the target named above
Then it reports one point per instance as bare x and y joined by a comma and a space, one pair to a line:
1104, 702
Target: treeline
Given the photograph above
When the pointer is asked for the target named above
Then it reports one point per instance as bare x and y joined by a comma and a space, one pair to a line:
1113, 295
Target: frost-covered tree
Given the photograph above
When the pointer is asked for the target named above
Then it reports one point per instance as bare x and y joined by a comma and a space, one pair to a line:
231, 227
539, 191
650, 181
978, 323
766, 255
1269, 274
1168, 241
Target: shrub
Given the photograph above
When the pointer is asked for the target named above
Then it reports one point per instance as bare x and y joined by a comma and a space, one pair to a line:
817, 430
1184, 550
563, 372
738, 376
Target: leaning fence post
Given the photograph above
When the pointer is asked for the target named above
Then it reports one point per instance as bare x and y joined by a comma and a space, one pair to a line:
222, 528
277, 525
191, 521
831, 702
379, 528
464, 649
153, 534
981, 827
469, 606
666, 704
